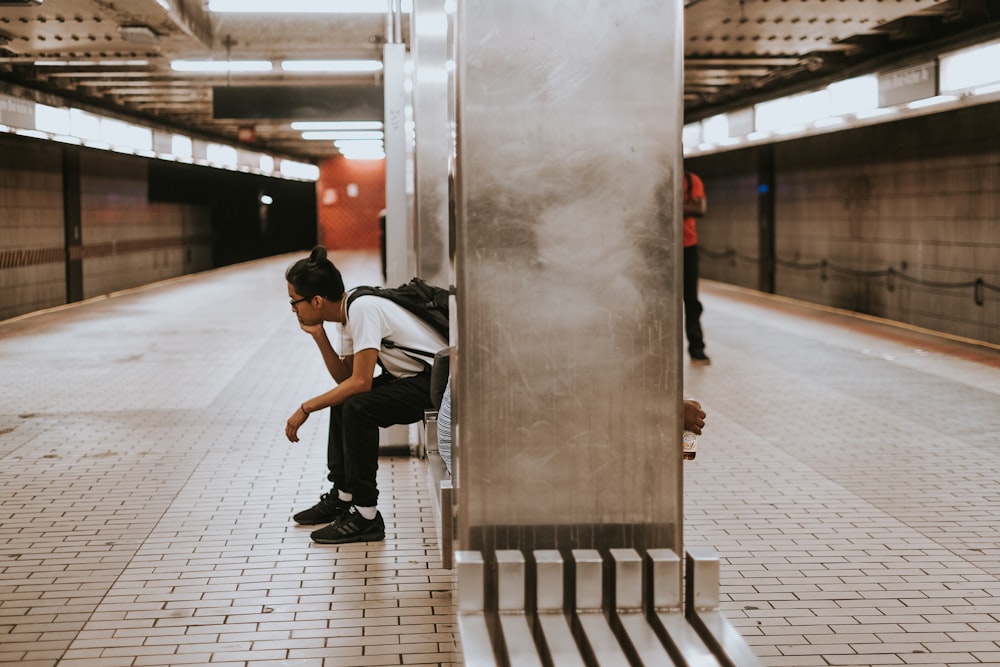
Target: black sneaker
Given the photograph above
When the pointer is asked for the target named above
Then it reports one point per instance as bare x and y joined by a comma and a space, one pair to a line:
699, 359
327, 510
351, 527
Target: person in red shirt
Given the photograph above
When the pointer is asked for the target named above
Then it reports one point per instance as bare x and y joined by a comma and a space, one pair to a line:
695, 206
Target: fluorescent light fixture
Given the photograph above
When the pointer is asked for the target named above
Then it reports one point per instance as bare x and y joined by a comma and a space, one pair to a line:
363, 153
876, 113
221, 65
715, 129
337, 125
90, 63
968, 68
77, 127
930, 101
986, 90
789, 114
299, 170
359, 143
832, 121
330, 135
222, 155
182, 146
853, 95
691, 134
85, 125
34, 134
52, 119
332, 66
304, 6
790, 129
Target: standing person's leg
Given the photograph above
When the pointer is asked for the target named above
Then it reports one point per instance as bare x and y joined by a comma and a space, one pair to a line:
692, 307
390, 402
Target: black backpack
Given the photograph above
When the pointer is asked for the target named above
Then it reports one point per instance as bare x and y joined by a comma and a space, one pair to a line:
428, 302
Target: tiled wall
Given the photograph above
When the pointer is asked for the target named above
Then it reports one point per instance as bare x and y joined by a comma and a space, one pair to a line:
920, 196
126, 239
32, 259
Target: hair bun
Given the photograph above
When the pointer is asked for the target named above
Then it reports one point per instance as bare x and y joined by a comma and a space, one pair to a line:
318, 254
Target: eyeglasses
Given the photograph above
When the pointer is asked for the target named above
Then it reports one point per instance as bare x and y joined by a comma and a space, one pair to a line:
295, 302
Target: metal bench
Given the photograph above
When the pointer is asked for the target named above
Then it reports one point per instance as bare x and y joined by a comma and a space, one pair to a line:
441, 491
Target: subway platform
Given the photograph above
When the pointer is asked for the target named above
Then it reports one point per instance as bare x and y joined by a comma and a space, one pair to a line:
847, 477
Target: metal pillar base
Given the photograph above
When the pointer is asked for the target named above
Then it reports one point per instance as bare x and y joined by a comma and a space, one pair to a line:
594, 610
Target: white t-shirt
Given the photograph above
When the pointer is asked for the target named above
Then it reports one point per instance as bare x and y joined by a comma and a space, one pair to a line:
372, 319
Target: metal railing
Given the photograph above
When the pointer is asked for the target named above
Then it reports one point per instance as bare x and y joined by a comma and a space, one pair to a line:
891, 274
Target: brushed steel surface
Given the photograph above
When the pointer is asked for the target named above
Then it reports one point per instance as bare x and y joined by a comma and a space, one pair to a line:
434, 144
628, 579
557, 637
568, 272
549, 594
702, 571
664, 579
588, 579
400, 253
471, 581
510, 581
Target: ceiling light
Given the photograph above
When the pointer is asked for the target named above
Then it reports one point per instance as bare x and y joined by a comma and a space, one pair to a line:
968, 68
986, 90
221, 65
91, 63
832, 121
334, 66
299, 170
359, 144
304, 6
337, 125
363, 154
931, 101
343, 134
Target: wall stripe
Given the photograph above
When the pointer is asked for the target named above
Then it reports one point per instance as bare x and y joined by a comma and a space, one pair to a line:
12, 259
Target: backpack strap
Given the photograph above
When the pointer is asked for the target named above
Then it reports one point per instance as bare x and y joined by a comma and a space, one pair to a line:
388, 343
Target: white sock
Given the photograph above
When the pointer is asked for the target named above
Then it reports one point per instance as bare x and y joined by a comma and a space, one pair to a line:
367, 512
345, 496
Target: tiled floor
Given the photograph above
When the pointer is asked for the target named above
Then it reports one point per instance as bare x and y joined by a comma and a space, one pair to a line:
146, 488
847, 477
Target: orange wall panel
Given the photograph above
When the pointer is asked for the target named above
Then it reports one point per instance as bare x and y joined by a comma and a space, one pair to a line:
350, 195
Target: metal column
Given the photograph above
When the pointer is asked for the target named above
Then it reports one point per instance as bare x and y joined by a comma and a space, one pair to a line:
398, 230
434, 144
569, 274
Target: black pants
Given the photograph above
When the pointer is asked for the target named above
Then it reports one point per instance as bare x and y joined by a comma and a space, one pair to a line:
692, 306
352, 448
